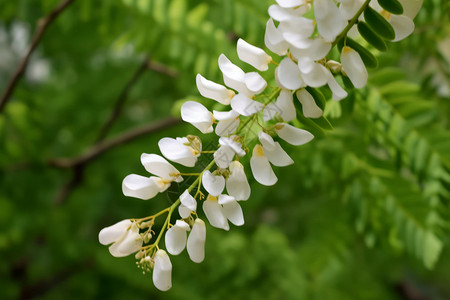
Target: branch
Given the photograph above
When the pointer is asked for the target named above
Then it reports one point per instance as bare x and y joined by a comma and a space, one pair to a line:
41, 28
102, 147
147, 64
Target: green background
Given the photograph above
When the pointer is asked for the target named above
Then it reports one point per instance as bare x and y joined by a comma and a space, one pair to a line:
362, 214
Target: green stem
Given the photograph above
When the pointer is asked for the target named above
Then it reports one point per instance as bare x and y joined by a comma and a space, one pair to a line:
351, 23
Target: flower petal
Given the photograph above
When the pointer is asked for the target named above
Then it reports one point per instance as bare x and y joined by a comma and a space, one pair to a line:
237, 183
252, 55
285, 103
176, 151
188, 201
214, 214
233, 76
319, 49
227, 127
313, 74
233, 211
214, 91
157, 165
132, 241
245, 106
288, 75
224, 199
403, 26
309, 106
293, 135
266, 141
114, 232
140, 187
183, 211
196, 241
261, 169
198, 115
175, 238
281, 14
223, 156
274, 40
214, 185
291, 3
338, 92
353, 66
254, 82
329, 20
277, 156
162, 272
233, 144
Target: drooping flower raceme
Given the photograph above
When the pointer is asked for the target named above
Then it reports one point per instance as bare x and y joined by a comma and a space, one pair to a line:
252, 116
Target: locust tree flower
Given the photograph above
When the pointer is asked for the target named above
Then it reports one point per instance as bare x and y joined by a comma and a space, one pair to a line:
146, 188
284, 106
274, 40
288, 76
349, 8
214, 91
330, 22
309, 106
246, 83
229, 147
253, 55
228, 122
245, 106
317, 49
188, 204
213, 184
291, 3
237, 183
180, 150
162, 271
338, 92
354, 67
176, 237
293, 135
198, 115
196, 241
312, 73
283, 14
219, 210
124, 237
297, 32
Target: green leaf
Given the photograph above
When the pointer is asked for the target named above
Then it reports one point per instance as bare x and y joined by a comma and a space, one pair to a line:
371, 37
392, 6
379, 24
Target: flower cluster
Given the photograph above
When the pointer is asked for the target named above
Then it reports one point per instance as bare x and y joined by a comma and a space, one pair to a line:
254, 121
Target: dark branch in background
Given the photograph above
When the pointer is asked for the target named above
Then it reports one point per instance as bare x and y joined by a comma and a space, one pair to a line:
40, 30
102, 147
120, 102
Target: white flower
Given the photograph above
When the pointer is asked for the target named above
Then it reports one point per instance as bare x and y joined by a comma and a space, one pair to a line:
282, 14
162, 271
219, 210
245, 106
312, 73
228, 148
196, 241
214, 91
213, 184
317, 49
177, 150
297, 32
403, 25
188, 201
284, 106
198, 115
228, 122
246, 83
176, 237
353, 66
349, 8
237, 183
293, 135
261, 169
124, 236
338, 92
274, 40
329, 20
309, 106
145, 188
288, 75
252, 55
291, 3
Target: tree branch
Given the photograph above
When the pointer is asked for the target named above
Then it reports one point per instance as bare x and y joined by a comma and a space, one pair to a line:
40, 30
102, 147
147, 64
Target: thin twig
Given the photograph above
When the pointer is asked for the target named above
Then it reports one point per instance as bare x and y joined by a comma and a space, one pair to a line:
100, 148
147, 64
40, 30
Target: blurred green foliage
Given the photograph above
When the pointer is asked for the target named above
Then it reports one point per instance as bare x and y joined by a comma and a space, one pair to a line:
363, 213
